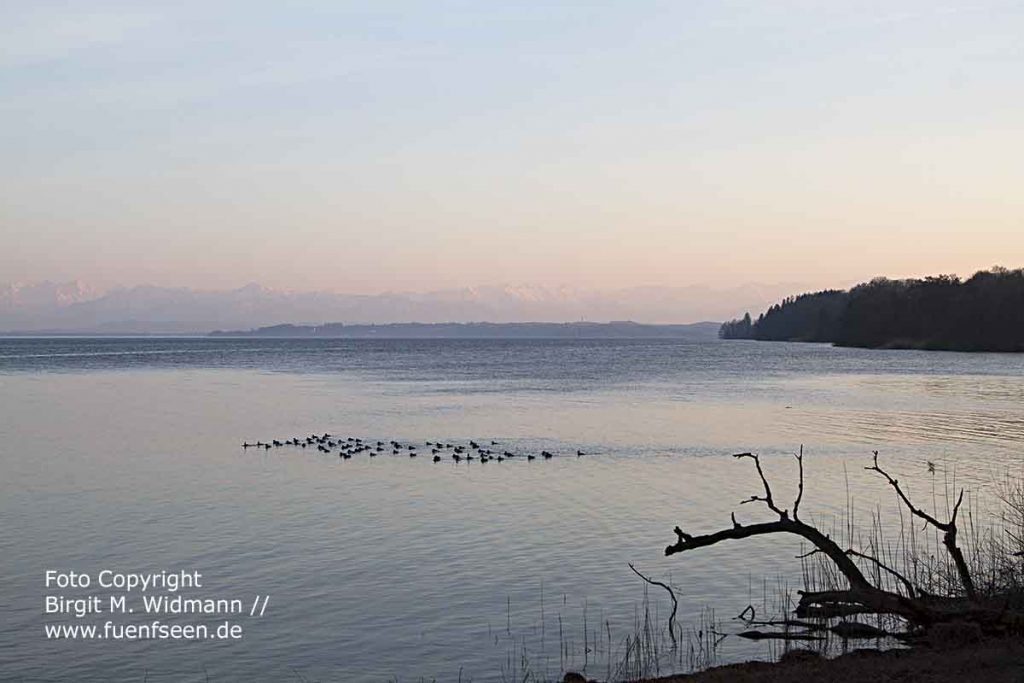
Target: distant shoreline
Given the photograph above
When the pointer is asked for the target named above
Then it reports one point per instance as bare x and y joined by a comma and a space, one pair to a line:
702, 331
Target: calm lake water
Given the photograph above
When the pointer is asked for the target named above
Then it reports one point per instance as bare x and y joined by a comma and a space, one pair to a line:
125, 454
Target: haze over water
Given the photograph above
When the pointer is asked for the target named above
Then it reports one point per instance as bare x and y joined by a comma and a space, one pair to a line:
126, 453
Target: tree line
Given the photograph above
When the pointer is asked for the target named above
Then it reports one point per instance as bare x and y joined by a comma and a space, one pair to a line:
943, 312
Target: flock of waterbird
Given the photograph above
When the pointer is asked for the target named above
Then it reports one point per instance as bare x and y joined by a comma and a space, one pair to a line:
347, 447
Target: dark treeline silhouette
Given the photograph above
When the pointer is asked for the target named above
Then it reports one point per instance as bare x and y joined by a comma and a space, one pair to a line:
983, 313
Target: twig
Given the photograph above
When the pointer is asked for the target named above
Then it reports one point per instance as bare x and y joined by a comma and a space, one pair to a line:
767, 498
800, 491
671, 594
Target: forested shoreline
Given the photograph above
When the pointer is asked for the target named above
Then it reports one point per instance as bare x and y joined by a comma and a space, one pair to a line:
982, 313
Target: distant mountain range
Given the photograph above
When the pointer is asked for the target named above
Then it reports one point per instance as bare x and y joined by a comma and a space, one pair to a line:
75, 307
614, 330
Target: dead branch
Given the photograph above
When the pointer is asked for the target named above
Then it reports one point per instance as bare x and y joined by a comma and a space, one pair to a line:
671, 594
777, 635
752, 620
800, 490
948, 528
767, 498
860, 596
784, 524
911, 591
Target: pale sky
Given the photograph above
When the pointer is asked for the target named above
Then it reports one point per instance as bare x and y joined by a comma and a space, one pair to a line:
373, 146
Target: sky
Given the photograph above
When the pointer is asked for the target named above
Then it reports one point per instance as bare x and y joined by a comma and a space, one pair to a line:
412, 146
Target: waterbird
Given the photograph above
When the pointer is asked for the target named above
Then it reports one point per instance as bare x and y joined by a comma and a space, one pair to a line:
531, 457
437, 458
579, 453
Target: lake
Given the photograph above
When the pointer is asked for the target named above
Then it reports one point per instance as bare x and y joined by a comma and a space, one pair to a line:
125, 454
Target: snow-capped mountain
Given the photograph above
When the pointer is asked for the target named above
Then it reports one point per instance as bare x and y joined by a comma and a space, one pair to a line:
16, 296
76, 307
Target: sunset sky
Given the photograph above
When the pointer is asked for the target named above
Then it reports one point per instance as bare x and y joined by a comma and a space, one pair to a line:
373, 146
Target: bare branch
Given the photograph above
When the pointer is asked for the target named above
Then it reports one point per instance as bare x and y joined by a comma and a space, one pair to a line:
861, 597
948, 528
752, 620
800, 491
671, 594
767, 499
956, 508
776, 635
911, 591
785, 525
944, 526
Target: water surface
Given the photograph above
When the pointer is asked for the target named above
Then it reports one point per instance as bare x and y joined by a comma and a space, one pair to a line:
125, 453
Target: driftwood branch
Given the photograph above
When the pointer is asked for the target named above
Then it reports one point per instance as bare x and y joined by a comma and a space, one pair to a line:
800, 490
911, 591
778, 635
749, 617
860, 596
784, 524
949, 529
767, 498
671, 594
